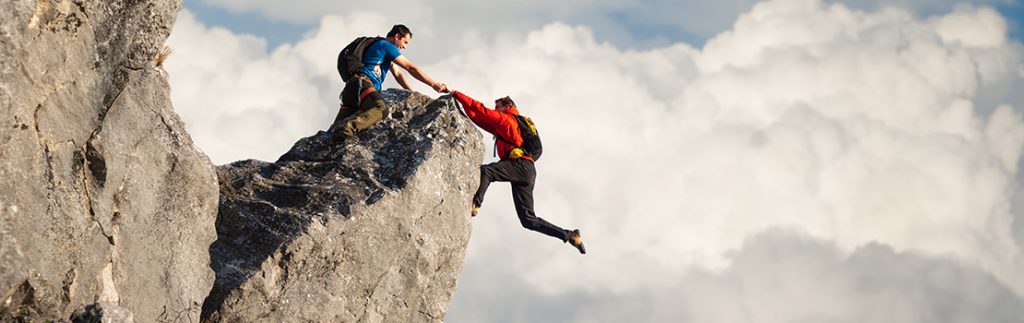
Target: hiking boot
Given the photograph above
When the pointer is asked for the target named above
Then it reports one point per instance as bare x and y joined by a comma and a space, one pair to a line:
576, 241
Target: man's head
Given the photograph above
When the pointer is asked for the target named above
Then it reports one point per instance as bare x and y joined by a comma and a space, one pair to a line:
400, 35
503, 104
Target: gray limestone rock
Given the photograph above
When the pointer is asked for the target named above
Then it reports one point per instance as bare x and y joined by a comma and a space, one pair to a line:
104, 196
107, 205
367, 231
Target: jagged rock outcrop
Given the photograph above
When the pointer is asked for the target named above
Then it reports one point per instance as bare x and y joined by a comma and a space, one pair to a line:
107, 207
104, 197
373, 231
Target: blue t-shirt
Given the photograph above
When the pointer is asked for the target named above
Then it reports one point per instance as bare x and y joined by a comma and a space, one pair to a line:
377, 61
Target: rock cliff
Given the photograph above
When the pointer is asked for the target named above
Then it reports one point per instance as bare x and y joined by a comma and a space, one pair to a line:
368, 231
108, 210
104, 196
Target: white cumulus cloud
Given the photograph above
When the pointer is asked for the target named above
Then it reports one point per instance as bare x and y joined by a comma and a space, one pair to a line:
625, 22
242, 100
779, 276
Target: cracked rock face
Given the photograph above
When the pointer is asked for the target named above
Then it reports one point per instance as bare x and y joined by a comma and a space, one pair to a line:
373, 231
105, 198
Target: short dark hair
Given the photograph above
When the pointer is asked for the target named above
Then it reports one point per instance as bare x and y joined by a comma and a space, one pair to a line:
399, 30
506, 100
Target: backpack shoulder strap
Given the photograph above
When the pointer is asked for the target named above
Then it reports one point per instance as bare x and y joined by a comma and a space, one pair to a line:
505, 141
510, 143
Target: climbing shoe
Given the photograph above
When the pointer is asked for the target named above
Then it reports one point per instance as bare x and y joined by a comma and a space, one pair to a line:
577, 241
474, 209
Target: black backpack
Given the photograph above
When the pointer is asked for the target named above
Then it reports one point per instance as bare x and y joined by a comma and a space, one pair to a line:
350, 59
531, 138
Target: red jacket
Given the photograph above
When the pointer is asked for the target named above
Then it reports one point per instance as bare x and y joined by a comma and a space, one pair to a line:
497, 123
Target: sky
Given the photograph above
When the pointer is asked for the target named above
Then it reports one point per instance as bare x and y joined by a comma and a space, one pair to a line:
726, 161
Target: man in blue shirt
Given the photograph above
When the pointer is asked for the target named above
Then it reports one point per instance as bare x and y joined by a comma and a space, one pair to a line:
361, 103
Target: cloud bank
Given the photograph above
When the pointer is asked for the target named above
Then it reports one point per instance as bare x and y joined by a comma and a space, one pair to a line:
623, 22
886, 145
777, 276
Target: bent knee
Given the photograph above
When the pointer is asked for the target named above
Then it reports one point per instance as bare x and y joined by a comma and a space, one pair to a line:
485, 172
528, 222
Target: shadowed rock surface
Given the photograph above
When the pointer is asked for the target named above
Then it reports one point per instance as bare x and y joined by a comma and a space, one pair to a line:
368, 231
104, 197
102, 312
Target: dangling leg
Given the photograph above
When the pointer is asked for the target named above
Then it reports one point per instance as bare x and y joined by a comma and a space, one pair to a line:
522, 196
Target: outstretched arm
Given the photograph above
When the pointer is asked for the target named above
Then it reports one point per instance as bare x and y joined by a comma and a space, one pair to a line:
418, 73
487, 119
400, 77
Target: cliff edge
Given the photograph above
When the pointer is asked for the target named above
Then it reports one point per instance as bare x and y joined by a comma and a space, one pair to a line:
108, 207
368, 231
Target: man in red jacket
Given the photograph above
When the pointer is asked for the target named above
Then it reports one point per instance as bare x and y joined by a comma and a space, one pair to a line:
514, 168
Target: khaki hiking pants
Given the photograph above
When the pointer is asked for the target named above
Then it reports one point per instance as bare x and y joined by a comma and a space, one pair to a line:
362, 107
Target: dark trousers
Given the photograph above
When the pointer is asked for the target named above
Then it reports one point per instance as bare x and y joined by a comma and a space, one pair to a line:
521, 173
362, 107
